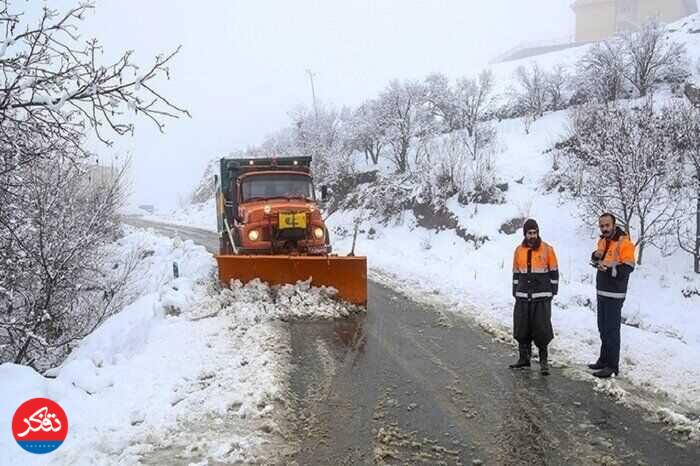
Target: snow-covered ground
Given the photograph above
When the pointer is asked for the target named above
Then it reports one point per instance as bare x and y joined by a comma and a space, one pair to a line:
661, 338
660, 344
200, 215
186, 371
661, 341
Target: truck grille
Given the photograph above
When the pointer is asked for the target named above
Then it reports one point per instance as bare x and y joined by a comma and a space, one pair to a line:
291, 234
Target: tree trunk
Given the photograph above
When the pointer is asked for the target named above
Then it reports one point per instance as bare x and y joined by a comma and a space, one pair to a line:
696, 256
642, 235
374, 153
23, 351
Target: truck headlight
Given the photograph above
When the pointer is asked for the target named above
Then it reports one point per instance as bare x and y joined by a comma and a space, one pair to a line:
253, 235
319, 233
267, 209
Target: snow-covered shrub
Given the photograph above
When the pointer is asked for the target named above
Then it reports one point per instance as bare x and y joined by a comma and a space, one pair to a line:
529, 96
600, 73
460, 164
536, 91
384, 199
447, 167
205, 190
556, 83
621, 160
56, 282
481, 176
482, 185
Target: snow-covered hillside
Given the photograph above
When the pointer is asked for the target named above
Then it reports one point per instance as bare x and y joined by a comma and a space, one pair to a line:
685, 31
661, 335
661, 341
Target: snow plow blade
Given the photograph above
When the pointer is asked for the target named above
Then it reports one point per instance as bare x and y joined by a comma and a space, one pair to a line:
347, 274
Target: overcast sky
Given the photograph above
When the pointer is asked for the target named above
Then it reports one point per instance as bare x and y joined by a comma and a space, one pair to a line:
242, 65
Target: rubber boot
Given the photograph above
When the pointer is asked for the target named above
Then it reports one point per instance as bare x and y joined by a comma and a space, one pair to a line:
544, 362
524, 357
605, 373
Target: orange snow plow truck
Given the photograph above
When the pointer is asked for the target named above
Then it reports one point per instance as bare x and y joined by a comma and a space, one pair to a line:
270, 227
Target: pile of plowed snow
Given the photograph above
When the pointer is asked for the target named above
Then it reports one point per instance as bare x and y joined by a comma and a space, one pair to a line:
187, 371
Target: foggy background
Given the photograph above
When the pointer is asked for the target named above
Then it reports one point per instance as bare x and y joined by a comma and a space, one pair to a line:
242, 65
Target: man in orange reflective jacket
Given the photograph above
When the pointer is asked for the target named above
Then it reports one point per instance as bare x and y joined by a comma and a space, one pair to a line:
614, 259
535, 283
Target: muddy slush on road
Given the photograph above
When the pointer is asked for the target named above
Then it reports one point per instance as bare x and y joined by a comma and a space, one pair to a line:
411, 384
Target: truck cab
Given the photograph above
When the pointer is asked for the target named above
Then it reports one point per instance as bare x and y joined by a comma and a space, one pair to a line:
269, 207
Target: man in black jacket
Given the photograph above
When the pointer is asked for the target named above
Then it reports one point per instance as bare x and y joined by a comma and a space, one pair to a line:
614, 259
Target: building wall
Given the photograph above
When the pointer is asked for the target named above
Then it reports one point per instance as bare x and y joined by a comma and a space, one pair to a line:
601, 19
595, 19
665, 10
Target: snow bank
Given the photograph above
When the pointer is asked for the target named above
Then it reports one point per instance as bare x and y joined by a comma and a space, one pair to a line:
184, 371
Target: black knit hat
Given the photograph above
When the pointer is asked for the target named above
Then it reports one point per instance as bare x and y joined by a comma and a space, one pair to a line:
530, 224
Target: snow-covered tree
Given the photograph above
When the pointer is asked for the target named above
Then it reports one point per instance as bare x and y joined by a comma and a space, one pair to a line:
54, 218
278, 143
54, 86
474, 100
322, 133
463, 106
683, 126
367, 132
479, 141
601, 72
405, 116
55, 287
636, 60
622, 161
442, 102
529, 96
556, 82
651, 57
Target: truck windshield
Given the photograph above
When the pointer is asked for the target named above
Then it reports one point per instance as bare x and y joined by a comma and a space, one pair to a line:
269, 186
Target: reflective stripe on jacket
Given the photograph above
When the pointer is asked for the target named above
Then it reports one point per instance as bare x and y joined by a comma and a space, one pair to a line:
618, 256
535, 272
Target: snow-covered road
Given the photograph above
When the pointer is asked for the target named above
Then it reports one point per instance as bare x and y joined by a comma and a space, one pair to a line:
411, 383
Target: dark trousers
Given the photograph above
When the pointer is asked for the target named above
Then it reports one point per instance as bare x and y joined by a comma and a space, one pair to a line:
532, 321
609, 321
